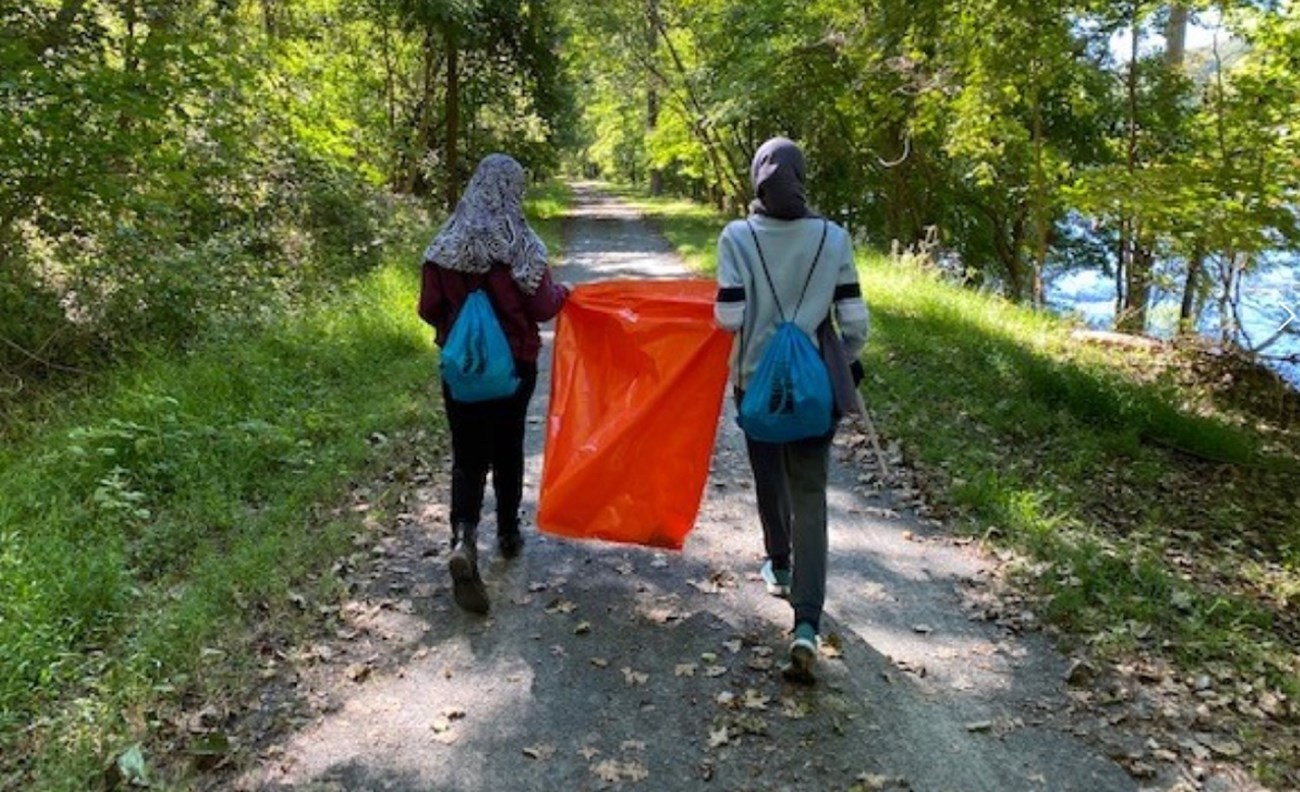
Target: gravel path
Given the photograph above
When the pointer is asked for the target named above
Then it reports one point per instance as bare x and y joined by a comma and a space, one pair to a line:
607, 667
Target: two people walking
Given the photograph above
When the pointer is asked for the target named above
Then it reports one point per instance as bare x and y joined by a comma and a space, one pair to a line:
782, 254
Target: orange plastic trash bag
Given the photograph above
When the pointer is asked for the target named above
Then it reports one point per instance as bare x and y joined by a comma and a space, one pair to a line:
636, 390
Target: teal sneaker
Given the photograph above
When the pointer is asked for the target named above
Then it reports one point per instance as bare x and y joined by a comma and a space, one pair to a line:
777, 580
803, 655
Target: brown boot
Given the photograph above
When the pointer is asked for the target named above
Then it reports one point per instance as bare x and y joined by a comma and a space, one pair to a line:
466, 586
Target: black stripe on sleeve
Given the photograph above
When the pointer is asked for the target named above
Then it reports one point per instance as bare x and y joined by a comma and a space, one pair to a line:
847, 291
731, 294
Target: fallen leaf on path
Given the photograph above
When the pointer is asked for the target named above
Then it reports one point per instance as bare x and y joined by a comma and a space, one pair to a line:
870, 782
600, 662
910, 667
833, 646
733, 645
684, 670
726, 698
633, 745
540, 751
755, 700
750, 724
794, 710
358, 672
635, 677
608, 771
714, 671
719, 737
635, 771
583, 628
587, 752
612, 771
561, 606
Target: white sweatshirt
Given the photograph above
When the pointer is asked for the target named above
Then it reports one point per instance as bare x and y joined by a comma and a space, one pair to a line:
746, 305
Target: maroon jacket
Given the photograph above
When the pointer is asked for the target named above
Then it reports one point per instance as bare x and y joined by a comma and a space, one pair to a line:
443, 292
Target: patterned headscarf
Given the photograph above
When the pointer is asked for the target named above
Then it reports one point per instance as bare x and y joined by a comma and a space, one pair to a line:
488, 227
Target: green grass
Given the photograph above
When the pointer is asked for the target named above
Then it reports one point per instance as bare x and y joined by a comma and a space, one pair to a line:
154, 521
547, 205
159, 531
1141, 511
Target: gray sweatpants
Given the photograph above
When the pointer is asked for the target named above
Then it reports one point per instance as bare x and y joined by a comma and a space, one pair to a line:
790, 483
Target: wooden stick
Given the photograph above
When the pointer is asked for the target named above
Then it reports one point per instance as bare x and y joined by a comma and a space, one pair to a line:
870, 428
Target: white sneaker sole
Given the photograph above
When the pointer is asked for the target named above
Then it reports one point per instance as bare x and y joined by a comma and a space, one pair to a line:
773, 587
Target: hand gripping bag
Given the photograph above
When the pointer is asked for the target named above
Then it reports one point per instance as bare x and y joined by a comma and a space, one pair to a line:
476, 361
636, 393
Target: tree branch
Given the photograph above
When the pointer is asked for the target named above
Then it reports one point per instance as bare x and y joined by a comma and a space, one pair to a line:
37, 359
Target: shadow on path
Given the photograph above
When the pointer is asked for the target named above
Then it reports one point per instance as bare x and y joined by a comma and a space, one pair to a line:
605, 666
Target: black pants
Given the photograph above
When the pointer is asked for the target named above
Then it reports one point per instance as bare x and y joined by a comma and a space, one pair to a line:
790, 486
489, 436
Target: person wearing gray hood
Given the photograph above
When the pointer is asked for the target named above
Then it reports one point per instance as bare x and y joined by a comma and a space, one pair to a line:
785, 263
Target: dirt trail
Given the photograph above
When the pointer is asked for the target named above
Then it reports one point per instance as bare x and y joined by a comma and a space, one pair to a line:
605, 666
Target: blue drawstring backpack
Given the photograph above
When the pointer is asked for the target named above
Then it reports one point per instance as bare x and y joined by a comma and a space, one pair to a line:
476, 361
789, 397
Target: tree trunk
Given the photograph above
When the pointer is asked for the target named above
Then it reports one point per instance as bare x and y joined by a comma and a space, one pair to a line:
652, 96
1132, 317
423, 142
390, 99
131, 18
270, 19
453, 118
1041, 210
1176, 36
1121, 267
1187, 313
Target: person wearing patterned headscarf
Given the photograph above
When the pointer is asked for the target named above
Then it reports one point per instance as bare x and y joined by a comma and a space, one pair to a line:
486, 244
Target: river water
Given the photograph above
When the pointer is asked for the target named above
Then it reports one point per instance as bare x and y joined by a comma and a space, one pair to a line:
1270, 301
